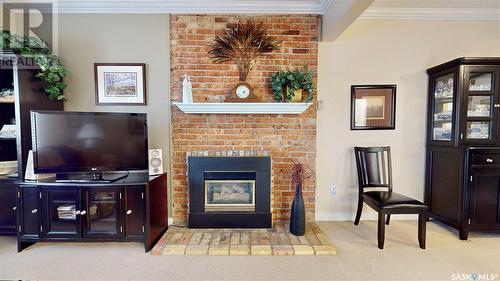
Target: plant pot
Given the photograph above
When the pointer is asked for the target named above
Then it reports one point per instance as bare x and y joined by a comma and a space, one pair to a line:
298, 214
297, 95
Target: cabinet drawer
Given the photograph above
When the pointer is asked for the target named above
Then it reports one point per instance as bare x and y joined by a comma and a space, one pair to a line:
485, 159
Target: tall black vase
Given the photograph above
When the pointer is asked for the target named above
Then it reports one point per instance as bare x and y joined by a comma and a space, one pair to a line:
298, 214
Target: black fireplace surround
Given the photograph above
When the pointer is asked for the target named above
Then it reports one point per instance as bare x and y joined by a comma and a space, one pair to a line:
229, 168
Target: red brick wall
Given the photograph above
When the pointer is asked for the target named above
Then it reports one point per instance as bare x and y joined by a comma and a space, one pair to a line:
287, 138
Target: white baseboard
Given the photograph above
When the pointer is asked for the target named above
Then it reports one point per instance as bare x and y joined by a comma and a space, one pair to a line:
324, 216
170, 221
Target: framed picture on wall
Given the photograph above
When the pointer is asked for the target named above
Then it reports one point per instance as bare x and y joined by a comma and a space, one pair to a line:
120, 83
373, 107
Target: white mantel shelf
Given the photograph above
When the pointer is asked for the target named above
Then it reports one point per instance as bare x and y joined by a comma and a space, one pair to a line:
243, 108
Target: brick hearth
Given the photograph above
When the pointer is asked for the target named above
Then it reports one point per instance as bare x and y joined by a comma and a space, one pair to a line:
286, 138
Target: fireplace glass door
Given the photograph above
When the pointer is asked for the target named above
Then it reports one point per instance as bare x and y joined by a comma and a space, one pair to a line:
229, 195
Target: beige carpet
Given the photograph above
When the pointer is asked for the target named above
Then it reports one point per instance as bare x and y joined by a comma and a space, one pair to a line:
276, 241
358, 258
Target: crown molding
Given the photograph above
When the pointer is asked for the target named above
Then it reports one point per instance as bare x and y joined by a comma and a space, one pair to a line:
194, 6
375, 13
325, 5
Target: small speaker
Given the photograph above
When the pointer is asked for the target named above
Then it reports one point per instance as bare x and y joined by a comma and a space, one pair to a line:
155, 162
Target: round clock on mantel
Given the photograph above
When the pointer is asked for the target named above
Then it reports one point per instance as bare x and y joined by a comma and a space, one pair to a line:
242, 92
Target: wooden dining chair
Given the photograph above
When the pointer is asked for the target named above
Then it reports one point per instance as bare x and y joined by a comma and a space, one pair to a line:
375, 189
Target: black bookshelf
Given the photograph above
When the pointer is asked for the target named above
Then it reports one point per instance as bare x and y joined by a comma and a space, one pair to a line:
28, 95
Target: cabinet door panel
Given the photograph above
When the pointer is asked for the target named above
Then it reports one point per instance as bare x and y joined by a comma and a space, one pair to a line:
479, 124
60, 212
102, 212
8, 209
485, 213
445, 178
134, 212
443, 100
30, 227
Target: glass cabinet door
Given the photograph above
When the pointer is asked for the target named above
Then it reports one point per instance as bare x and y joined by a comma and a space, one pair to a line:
61, 212
481, 102
102, 213
481, 82
443, 107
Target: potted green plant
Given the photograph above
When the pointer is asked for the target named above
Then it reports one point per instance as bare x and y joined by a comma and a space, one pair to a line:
289, 86
50, 68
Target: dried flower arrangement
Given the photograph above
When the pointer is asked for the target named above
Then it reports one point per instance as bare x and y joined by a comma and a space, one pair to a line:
243, 44
299, 174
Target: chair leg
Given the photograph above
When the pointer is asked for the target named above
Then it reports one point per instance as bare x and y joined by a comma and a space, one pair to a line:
381, 230
422, 220
388, 219
360, 208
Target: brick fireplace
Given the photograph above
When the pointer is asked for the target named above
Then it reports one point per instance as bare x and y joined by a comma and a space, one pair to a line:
285, 138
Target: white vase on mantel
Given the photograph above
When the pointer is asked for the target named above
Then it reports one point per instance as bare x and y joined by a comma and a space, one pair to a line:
187, 94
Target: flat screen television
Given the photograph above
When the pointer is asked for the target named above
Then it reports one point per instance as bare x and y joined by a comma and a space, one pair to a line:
77, 142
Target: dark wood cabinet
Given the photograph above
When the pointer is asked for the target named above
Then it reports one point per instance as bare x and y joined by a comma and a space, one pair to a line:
29, 218
7, 208
119, 211
58, 208
15, 111
463, 144
134, 212
102, 212
484, 182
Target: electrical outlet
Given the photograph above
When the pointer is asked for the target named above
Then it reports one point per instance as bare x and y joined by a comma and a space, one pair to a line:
319, 105
333, 190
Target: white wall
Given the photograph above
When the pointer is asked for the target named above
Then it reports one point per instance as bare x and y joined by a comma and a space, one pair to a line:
85, 39
385, 52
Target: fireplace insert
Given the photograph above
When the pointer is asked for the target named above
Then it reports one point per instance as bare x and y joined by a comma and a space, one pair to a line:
229, 195
229, 192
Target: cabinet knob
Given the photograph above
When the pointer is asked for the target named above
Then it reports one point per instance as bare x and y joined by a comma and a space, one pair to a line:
497, 105
129, 212
34, 211
77, 212
14, 208
83, 212
489, 160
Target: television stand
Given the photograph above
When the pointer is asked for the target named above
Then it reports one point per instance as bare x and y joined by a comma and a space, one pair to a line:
93, 177
130, 209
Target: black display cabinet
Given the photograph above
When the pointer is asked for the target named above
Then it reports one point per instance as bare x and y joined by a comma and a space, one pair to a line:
15, 110
463, 144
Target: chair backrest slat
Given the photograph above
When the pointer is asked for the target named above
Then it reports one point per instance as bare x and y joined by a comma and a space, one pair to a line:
374, 167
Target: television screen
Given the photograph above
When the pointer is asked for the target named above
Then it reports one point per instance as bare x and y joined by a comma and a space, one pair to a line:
65, 142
